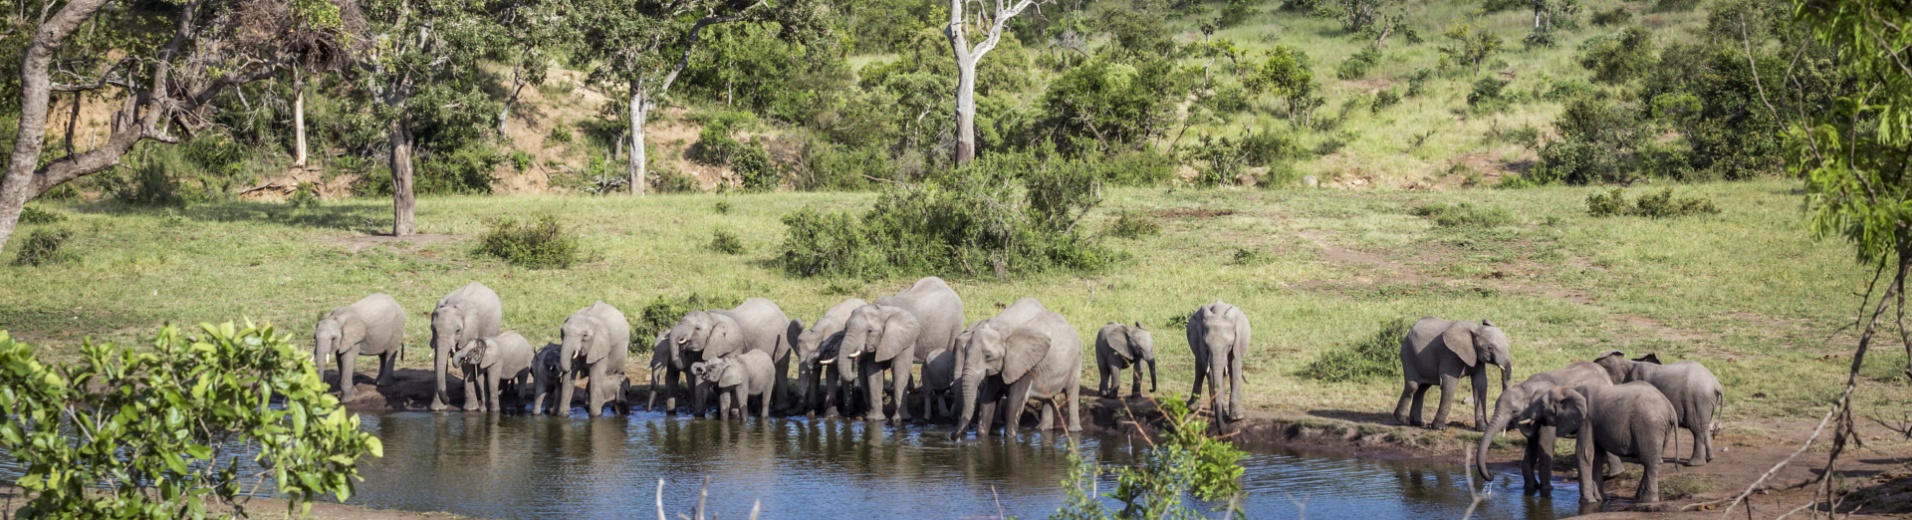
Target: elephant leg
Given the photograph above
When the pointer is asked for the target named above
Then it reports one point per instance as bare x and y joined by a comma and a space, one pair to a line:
1012, 409
1649, 490
986, 418
723, 405
873, 387
1590, 469
1448, 387
1074, 394
471, 390
1045, 416
492, 390
1195, 391
1479, 389
567, 385
763, 412
671, 376
594, 392
1615, 467
900, 375
385, 362
699, 396
1235, 402
1135, 378
1540, 451
1702, 439
1106, 380
348, 366
1410, 393
1415, 412
831, 395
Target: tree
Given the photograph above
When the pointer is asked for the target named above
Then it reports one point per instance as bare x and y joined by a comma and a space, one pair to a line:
1473, 42
533, 26
967, 56
1550, 13
1360, 15
1287, 73
643, 46
134, 433
168, 79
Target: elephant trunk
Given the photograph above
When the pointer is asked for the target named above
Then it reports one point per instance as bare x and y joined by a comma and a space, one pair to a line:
971, 385
1151, 376
1506, 373
318, 358
1502, 418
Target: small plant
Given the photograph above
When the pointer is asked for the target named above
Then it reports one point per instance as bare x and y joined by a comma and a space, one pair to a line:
1619, 15
1186, 459
306, 195
726, 241
1133, 225
1376, 356
1660, 205
669, 180
1682, 486
560, 134
540, 243
43, 247
1250, 257
1464, 215
1417, 82
521, 160
1358, 64
1486, 95
33, 215
1384, 99
722, 207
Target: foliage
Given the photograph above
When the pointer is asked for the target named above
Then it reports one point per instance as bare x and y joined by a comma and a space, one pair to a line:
1384, 99
539, 243
1287, 73
1618, 15
669, 180
1133, 225
1618, 57
168, 430
1376, 356
1486, 94
1004, 213
1185, 460
305, 195
1357, 65
1661, 205
43, 247
1600, 142
1472, 42
1464, 214
663, 312
35, 215
1356, 15
721, 207
1221, 160
1116, 105
726, 241
1235, 12
1417, 82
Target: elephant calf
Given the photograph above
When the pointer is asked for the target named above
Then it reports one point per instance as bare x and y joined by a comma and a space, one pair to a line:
505, 358
738, 377
664, 377
939, 384
1631, 420
1695, 394
547, 373
1218, 334
1119, 346
1438, 351
373, 326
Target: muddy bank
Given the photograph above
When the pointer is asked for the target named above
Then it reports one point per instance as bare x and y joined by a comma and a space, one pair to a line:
12, 499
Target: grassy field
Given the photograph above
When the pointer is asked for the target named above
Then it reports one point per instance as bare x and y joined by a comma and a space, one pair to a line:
1747, 291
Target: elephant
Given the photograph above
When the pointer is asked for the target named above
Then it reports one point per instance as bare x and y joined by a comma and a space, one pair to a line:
469, 313
816, 347
1695, 393
738, 377
599, 338
939, 384
1119, 346
547, 375
1438, 351
373, 326
1629, 420
1514, 406
893, 333
664, 376
756, 324
1218, 333
504, 358
1032, 353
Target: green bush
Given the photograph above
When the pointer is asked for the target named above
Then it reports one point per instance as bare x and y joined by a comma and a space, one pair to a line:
1660, 205
1376, 356
669, 180
1464, 214
540, 243
1132, 225
1384, 99
520, 160
753, 167
1599, 142
1250, 257
1188, 459
43, 247
1664, 6
726, 241
1417, 82
1618, 15
1357, 65
663, 312
305, 195
153, 426
465, 170
1486, 94
35, 215
1145, 167
1236, 12
1618, 57
722, 207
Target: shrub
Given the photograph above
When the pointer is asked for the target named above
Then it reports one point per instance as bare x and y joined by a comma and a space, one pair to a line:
153, 427
726, 241
1660, 205
1486, 95
540, 243
1618, 57
1417, 82
43, 247
1376, 356
1618, 15
1464, 215
1384, 99
1236, 12
1129, 224
559, 134
754, 169
520, 160
1358, 64
34, 215
662, 313
1188, 459
305, 195
1599, 143
1250, 257
1675, 5
722, 207
669, 180
1145, 167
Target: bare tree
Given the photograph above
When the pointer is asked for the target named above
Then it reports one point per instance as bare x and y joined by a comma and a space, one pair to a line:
993, 17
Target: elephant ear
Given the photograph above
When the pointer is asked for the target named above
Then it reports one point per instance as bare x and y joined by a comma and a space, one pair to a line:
1123, 344
593, 353
488, 355
900, 329
1023, 349
351, 332
1653, 358
1459, 338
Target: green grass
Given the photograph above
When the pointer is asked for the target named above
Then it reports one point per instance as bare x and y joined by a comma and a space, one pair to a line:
1747, 291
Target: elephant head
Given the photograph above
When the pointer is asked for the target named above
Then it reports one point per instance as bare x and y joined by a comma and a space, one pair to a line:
1137, 346
1514, 408
1619, 369
549, 361
1563, 408
695, 332
479, 352
336, 332
583, 337
1480, 343
451, 326
990, 350
718, 372
879, 330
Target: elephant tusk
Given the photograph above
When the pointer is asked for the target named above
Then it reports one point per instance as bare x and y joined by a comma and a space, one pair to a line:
826, 361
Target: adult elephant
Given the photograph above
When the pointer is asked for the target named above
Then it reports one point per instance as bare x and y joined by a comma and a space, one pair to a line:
1032, 353
1218, 334
756, 324
1695, 394
895, 332
1632, 420
373, 326
466, 315
817, 379
1515, 406
664, 376
599, 338
1438, 351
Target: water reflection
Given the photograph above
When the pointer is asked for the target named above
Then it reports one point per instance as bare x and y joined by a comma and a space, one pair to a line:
540, 467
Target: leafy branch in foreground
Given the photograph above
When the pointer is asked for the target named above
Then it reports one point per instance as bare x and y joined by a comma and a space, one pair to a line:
159, 433
1184, 461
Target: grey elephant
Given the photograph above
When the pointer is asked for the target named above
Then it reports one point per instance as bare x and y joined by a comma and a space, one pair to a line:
1695, 393
756, 324
547, 378
816, 348
596, 340
372, 326
505, 358
939, 384
1117, 347
1218, 333
664, 376
1515, 407
893, 333
1442, 352
737, 378
1631, 420
468, 313
1033, 353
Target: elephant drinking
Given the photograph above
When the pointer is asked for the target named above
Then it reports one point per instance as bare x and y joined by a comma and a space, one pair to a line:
596, 340
465, 315
1033, 353
756, 324
373, 326
895, 332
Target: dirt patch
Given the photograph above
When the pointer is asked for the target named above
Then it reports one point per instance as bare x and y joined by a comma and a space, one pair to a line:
357, 243
1188, 213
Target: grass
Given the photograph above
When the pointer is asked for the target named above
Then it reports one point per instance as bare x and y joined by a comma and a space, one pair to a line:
1747, 292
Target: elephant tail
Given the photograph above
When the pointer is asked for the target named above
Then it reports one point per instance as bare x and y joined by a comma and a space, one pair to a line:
1719, 410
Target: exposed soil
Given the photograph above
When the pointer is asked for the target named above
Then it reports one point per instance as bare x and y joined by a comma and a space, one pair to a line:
357, 243
1186, 213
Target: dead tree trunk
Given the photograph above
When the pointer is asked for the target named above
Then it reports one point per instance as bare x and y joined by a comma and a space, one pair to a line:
640, 110
966, 59
298, 118
403, 201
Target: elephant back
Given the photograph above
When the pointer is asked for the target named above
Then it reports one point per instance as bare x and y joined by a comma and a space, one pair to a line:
764, 324
617, 333
938, 311
513, 353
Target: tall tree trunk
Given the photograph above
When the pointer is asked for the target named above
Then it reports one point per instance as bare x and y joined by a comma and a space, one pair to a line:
298, 117
36, 88
640, 110
965, 111
403, 201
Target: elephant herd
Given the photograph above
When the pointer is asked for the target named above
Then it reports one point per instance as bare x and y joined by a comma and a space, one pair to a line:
741, 358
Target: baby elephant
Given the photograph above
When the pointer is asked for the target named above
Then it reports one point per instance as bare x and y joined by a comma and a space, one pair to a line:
1120, 346
547, 371
939, 384
738, 377
1632, 420
503, 358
